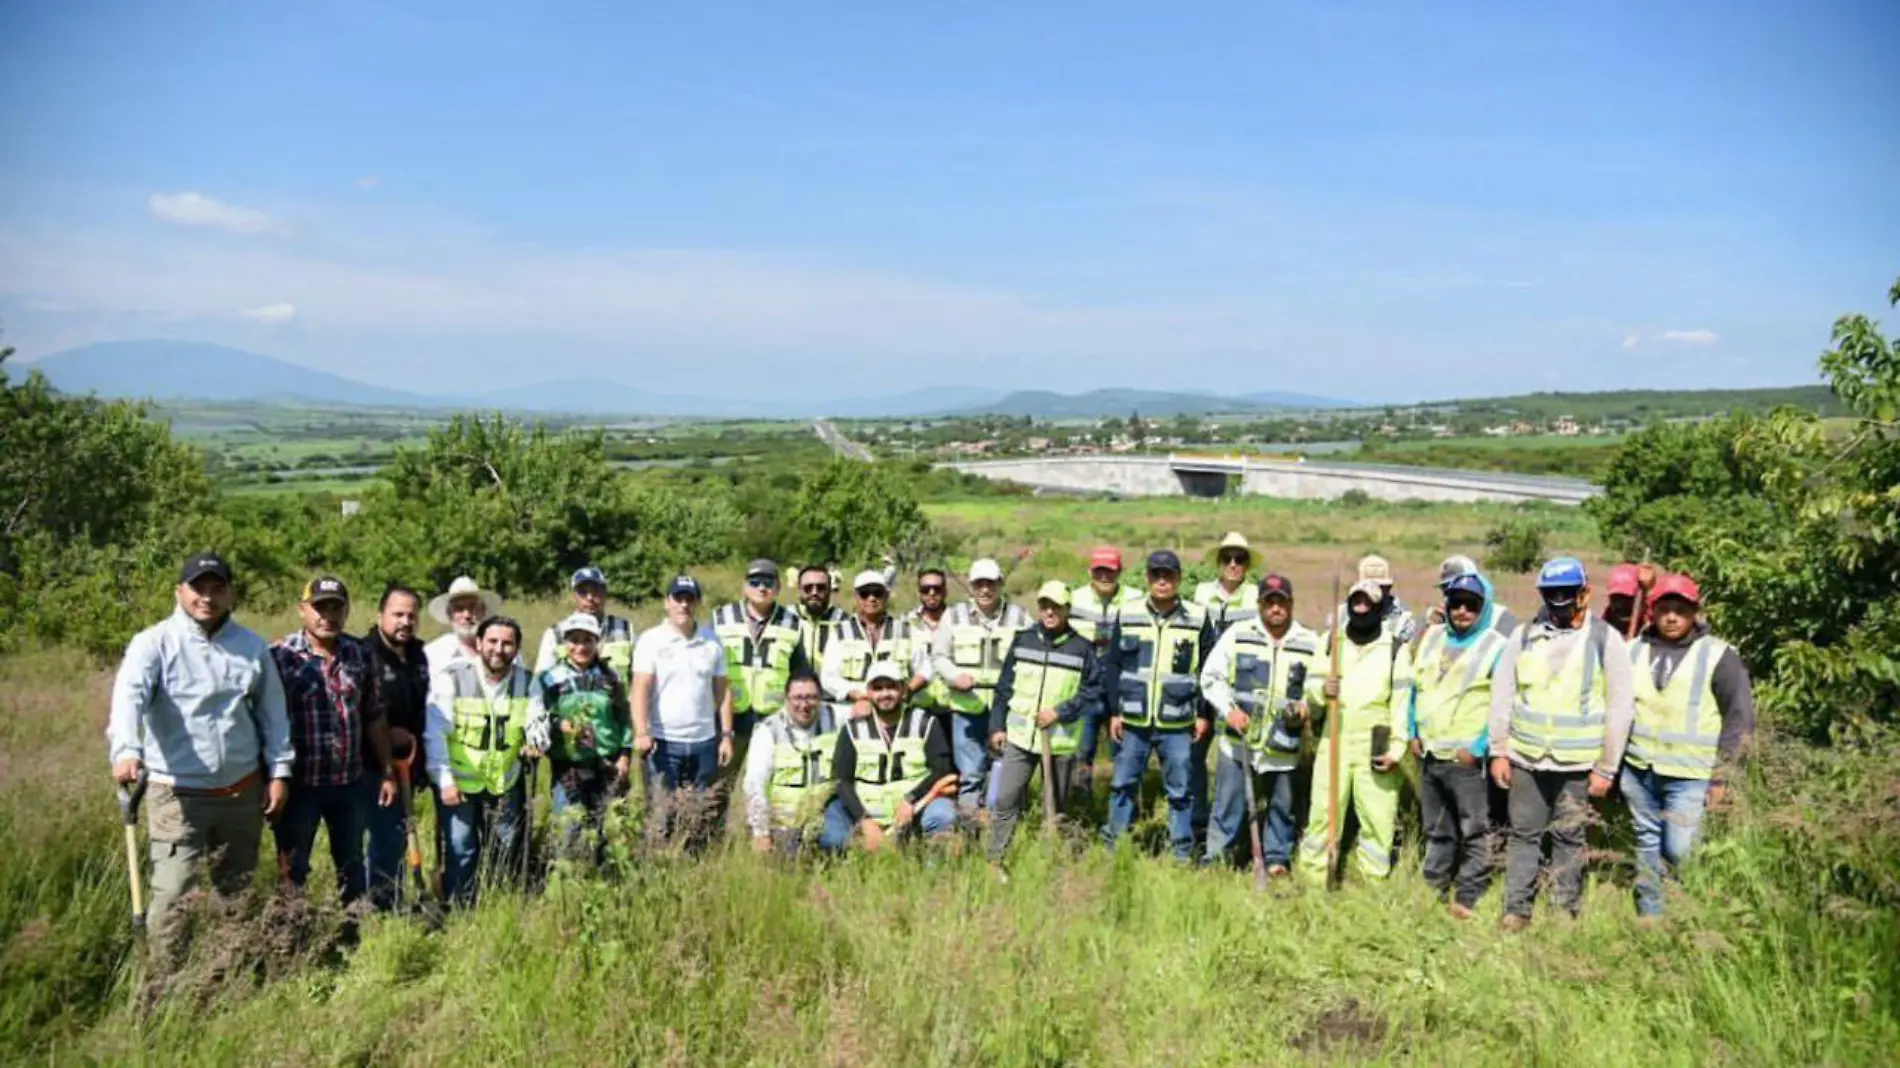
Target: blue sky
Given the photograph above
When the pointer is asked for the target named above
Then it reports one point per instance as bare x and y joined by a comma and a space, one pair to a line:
1379, 201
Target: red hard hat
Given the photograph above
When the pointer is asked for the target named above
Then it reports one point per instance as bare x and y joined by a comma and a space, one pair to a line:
1105, 556
1623, 582
1674, 585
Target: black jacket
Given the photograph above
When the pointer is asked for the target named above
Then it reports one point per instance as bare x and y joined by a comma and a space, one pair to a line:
844, 766
1087, 702
402, 687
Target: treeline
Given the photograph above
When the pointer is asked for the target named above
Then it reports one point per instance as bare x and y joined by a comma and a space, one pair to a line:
98, 502
1574, 458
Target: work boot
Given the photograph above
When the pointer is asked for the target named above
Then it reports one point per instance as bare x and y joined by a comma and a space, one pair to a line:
1458, 911
1514, 923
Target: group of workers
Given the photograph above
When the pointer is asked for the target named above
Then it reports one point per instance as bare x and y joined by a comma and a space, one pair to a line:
869, 728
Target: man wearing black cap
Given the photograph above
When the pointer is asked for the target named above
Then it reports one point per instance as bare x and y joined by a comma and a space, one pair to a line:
198, 705
763, 652
330, 693
616, 634
1155, 703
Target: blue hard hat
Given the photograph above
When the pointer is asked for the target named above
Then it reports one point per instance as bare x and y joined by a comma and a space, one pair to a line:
1561, 573
1471, 584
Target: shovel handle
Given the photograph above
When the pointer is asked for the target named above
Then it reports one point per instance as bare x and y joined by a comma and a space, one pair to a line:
130, 795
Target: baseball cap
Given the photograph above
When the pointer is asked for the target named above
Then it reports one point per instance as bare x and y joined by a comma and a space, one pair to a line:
582, 621
1471, 584
986, 568
1562, 572
1455, 566
206, 563
1624, 581
324, 588
867, 579
1164, 560
683, 586
1276, 586
1675, 585
1054, 591
1376, 569
887, 670
762, 568
1105, 556
1370, 587
585, 575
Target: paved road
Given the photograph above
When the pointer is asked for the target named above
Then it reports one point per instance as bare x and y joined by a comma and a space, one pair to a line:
840, 444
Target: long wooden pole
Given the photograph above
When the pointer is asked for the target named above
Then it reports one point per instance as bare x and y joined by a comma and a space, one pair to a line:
1332, 747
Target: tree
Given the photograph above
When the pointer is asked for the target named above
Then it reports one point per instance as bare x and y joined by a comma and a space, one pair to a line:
1793, 533
855, 512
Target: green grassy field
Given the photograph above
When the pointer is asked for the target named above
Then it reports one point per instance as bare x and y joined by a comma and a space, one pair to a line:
1084, 958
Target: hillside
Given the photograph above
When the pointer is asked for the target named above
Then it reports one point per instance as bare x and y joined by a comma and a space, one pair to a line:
172, 370
1647, 405
1095, 404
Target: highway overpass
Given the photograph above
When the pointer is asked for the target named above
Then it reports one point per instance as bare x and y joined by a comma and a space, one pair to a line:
1213, 476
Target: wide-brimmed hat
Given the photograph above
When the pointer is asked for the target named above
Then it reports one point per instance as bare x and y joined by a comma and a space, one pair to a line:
464, 586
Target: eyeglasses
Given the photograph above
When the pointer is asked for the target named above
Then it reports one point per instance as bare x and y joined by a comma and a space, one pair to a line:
760, 582
815, 587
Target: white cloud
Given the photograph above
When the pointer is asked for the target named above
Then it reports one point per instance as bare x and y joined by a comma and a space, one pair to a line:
1632, 341
1690, 337
271, 314
369, 181
196, 209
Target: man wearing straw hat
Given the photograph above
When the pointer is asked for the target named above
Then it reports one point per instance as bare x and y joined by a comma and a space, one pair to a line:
462, 609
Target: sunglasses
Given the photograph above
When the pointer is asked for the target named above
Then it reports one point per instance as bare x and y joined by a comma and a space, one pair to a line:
760, 582
1233, 558
873, 591
1465, 604
928, 590
815, 587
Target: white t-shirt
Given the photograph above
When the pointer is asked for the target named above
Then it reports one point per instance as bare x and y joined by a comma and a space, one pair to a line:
682, 709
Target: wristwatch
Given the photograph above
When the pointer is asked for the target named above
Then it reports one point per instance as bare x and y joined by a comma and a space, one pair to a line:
728, 735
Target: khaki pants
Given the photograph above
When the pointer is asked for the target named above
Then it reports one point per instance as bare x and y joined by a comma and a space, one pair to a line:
187, 830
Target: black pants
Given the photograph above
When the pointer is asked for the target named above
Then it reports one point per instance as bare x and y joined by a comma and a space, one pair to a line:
1457, 815
1556, 803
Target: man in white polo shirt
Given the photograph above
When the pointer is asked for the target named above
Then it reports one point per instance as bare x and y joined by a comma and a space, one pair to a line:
682, 709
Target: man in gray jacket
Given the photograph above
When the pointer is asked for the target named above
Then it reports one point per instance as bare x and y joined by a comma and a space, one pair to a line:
198, 706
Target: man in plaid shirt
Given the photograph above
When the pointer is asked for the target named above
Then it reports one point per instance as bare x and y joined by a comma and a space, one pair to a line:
330, 690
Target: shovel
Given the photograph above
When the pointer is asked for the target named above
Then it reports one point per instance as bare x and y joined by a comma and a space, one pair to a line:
129, 798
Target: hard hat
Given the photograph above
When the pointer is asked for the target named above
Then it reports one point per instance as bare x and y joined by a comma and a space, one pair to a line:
1563, 572
1674, 585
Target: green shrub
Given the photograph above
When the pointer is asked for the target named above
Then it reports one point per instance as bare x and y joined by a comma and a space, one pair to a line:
1515, 545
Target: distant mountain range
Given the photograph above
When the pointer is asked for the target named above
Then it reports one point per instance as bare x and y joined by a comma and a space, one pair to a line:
189, 370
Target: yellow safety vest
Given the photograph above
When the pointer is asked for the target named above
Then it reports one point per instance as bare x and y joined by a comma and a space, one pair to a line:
1044, 675
886, 772
1160, 666
1678, 727
801, 784
1227, 609
815, 633
1453, 705
977, 647
1375, 689
757, 669
852, 646
1561, 715
485, 740
1095, 619
1258, 673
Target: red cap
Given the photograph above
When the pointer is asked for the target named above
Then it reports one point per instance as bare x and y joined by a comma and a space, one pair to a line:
1674, 585
1623, 582
1105, 556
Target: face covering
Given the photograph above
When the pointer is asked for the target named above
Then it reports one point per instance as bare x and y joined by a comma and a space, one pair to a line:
1362, 627
1562, 615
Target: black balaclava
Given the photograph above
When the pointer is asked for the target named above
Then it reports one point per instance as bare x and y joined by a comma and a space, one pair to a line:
1362, 623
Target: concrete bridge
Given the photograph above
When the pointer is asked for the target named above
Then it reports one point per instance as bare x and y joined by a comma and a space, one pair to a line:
1213, 476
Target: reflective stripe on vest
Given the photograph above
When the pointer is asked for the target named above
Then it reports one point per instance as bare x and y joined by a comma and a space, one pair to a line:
1678, 727
1093, 619
814, 635
1045, 676
616, 647
484, 741
801, 783
1561, 716
1450, 717
854, 650
887, 772
1161, 696
976, 648
757, 669
1257, 675
1228, 609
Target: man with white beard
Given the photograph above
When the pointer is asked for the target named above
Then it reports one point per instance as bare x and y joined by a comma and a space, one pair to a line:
462, 610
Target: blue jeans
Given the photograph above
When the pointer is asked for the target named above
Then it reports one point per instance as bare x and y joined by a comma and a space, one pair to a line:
1175, 748
1226, 822
970, 744
484, 827
388, 843
1667, 812
938, 817
1197, 784
681, 776
339, 809
587, 797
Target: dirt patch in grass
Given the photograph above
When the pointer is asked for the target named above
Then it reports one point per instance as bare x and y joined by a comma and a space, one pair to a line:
1347, 1024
